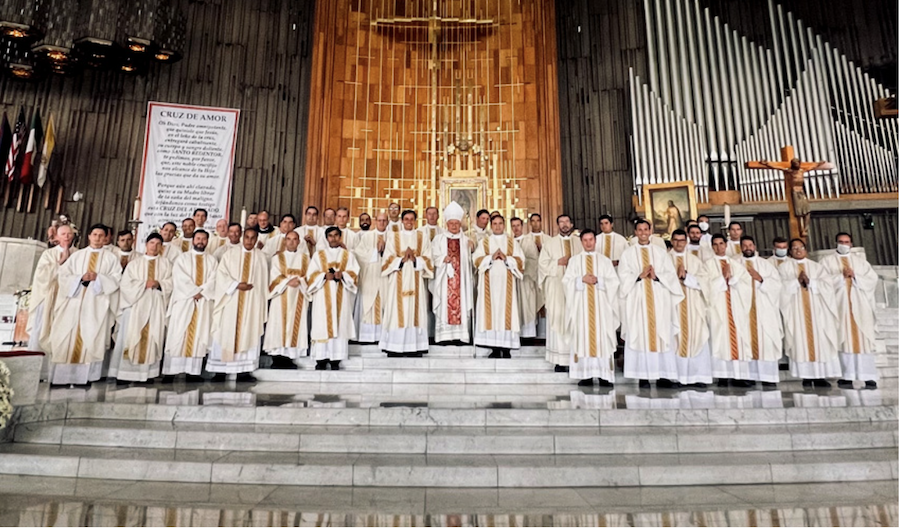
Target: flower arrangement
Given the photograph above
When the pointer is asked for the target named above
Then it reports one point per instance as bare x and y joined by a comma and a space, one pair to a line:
6, 394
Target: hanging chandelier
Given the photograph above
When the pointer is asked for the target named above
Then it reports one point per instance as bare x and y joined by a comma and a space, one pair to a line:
39, 37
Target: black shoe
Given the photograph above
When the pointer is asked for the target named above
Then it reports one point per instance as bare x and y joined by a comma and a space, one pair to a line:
283, 362
120, 382
644, 384
246, 377
821, 383
807, 383
698, 385
722, 383
586, 382
845, 384
335, 365
507, 354
218, 377
871, 384
394, 355
741, 383
605, 383
320, 365
168, 379
784, 367
560, 369
769, 384
495, 353
193, 378
417, 354
667, 384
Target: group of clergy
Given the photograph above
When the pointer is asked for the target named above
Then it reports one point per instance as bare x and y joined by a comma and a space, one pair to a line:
707, 308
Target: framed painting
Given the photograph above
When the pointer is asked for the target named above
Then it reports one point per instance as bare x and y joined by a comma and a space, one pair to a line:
469, 193
668, 206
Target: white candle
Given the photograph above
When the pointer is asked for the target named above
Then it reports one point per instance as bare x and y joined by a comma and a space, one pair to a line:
243, 217
727, 215
137, 209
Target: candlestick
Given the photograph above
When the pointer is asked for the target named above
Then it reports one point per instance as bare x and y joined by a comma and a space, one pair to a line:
727, 215
243, 217
136, 213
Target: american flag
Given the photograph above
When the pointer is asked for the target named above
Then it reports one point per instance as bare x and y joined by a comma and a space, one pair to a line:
18, 139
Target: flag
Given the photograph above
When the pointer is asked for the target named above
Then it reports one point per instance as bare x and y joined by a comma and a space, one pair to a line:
32, 155
15, 148
5, 137
49, 143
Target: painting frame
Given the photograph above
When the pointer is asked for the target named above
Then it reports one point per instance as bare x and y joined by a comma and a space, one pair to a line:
684, 196
470, 193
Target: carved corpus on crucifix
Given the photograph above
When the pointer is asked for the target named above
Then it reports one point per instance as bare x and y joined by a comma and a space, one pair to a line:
794, 171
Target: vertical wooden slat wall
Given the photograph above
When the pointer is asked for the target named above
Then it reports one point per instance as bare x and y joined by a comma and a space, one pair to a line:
254, 56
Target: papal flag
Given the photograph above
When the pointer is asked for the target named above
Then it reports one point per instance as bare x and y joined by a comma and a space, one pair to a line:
49, 143
16, 146
32, 149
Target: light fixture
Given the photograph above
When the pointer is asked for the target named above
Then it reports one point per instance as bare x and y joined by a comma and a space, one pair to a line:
20, 19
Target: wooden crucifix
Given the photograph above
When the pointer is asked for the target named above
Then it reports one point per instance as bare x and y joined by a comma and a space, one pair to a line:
794, 194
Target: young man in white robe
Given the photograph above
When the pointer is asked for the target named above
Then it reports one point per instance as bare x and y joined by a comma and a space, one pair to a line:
190, 311
310, 231
332, 279
431, 230
276, 243
369, 252
329, 217
349, 238
240, 312
143, 300
809, 309
500, 264
649, 289
88, 288
528, 286
451, 287
592, 288
287, 335
124, 249
706, 236
766, 329
728, 292
691, 345
45, 289
854, 291
552, 263
200, 216
696, 247
406, 265
609, 243
733, 244
537, 236
234, 235
171, 246
481, 229
779, 252
394, 221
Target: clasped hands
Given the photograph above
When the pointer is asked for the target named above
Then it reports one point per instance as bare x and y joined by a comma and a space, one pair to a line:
648, 273
589, 279
498, 256
333, 276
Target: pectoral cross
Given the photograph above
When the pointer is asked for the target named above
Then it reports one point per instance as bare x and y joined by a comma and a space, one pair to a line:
797, 201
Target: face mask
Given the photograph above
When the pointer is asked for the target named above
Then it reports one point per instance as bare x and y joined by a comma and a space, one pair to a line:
780, 252
843, 249
704, 226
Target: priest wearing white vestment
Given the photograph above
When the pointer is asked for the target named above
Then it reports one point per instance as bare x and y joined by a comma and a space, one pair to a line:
536, 234
451, 288
728, 291
234, 235
370, 299
592, 288
406, 265
810, 317
143, 299
187, 234
691, 345
240, 311
265, 229
276, 242
779, 251
45, 288
287, 335
124, 249
349, 238
190, 311
500, 264
171, 245
332, 279
552, 263
609, 243
329, 217
310, 231
481, 229
733, 244
766, 329
88, 288
218, 237
650, 290
854, 290
697, 246
394, 221
431, 230
528, 286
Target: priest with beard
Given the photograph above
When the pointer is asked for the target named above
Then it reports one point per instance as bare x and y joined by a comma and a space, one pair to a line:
369, 252
406, 265
552, 264
451, 287
190, 311
332, 280
690, 317
240, 311
592, 286
766, 329
124, 248
143, 299
88, 290
287, 337
649, 289
500, 264
528, 286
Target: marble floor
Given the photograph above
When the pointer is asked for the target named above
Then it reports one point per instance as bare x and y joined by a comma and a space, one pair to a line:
46, 502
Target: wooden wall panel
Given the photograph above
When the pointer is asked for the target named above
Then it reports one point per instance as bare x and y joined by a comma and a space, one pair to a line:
248, 55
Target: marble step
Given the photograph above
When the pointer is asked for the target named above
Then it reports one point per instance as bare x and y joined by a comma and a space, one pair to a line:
455, 440
469, 471
449, 351
405, 416
427, 363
